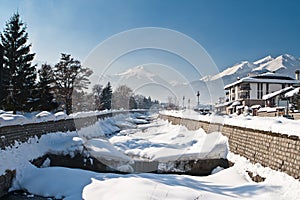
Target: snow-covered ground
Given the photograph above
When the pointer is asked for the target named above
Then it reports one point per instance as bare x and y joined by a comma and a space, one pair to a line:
274, 124
8, 118
158, 140
164, 142
231, 183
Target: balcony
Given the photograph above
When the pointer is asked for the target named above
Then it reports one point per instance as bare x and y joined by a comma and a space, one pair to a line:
244, 96
245, 87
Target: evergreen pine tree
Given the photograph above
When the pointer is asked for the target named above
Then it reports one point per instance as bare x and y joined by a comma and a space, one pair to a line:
45, 89
132, 103
17, 62
106, 97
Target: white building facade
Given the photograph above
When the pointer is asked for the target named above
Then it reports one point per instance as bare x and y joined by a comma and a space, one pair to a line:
250, 90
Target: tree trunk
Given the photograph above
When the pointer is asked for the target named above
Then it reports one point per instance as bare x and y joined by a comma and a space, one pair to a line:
69, 105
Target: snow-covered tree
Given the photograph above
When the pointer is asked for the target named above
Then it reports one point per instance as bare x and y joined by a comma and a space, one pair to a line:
17, 63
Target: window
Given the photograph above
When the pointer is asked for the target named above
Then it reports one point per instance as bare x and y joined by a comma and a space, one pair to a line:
258, 91
261, 90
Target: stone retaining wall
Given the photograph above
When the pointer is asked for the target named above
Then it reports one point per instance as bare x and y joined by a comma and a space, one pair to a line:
6, 181
277, 151
21, 133
296, 115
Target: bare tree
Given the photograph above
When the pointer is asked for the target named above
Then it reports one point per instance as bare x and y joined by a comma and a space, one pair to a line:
97, 90
70, 75
121, 97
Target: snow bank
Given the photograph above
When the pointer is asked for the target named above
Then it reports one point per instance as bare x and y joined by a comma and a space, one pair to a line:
10, 119
74, 184
286, 186
17, 157
169, 142
274, 124
101, 148
61, 115
7, 118
44, 116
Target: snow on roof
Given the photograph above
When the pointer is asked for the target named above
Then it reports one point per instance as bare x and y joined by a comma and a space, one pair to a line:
236, 103
268, 77
255, 106
223, 104
293, 92
273, 76
276, 93
267, 109
240, 107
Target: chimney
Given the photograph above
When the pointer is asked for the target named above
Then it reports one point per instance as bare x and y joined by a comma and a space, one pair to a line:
297, 74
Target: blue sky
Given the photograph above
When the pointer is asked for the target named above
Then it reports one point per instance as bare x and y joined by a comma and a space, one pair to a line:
230, 31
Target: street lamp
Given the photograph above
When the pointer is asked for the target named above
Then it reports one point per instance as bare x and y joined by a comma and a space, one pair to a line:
198, 96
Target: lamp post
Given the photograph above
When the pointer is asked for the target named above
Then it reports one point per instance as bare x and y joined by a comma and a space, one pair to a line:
198, 96
189, 102
183, 98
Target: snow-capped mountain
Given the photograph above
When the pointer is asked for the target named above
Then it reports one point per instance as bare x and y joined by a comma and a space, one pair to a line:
161, 85
284, 64
264, 60
138, 72
230, 74
238, 69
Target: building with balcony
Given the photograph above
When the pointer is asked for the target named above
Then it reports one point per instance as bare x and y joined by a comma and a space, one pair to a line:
250, 90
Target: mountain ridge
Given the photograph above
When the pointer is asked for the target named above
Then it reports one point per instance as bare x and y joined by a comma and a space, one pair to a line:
284, 64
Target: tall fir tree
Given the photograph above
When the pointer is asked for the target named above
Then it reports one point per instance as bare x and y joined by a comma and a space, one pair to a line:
17, 62
106, 97
45, 89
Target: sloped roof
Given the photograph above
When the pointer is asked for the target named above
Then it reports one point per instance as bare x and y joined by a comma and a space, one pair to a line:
268, 77
276, 93
293, 92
